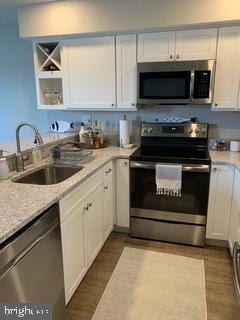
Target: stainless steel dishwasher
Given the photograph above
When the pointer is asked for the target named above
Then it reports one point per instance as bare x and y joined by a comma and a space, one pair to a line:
31, 268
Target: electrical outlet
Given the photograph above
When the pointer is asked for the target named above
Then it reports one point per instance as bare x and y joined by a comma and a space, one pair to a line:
87, 120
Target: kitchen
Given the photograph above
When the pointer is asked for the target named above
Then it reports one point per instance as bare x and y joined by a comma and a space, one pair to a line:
109, 237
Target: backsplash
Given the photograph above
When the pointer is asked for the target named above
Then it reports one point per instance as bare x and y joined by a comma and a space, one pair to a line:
224, 125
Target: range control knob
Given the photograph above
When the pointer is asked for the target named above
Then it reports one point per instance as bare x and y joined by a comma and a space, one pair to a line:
144, 130
190, 130
196, 130
150, 130
203, 131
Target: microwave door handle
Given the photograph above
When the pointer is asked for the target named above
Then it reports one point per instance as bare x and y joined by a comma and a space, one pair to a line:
191, 85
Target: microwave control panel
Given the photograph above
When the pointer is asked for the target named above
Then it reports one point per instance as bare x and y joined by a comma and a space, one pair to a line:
202, 84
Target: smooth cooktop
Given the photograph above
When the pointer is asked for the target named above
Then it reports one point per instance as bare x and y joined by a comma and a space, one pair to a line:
173, 154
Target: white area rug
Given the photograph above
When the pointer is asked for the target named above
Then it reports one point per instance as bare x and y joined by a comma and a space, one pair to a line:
147, 285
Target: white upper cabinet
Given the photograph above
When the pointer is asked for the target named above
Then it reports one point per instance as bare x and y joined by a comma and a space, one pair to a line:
156, 46
226, 94
180, 45
196, 44
90, 77
126, 63
220, 198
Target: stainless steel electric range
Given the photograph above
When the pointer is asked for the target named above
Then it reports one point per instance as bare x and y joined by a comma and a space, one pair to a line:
162, 217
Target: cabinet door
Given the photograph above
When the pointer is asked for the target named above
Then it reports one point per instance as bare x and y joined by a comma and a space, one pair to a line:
227, 69
157, 46
196, 44
74, 263
220, 198
93, 225
234, 227
108, 207
91, 73
122, 193
126, 58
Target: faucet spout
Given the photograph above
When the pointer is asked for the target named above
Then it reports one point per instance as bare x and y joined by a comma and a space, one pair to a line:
20, 160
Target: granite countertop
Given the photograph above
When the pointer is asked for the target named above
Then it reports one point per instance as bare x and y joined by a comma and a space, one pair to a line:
21, 203
226, 157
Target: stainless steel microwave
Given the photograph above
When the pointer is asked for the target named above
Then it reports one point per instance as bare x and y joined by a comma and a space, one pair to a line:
180, 82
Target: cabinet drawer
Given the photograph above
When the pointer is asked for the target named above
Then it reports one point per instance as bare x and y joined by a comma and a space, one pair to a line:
74, 198
108, 170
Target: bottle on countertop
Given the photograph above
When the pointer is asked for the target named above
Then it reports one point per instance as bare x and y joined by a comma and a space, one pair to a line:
4, 169
82, 133
99, 138
36, 154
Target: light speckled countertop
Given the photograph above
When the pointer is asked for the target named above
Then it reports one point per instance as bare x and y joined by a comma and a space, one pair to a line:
226, 157
21, 203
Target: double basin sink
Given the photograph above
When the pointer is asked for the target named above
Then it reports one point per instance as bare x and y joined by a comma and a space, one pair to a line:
49, 174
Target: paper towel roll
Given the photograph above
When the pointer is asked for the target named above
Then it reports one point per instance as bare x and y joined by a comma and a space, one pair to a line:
124, 132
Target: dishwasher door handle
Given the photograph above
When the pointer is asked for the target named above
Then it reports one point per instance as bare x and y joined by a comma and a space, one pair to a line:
236, 267
26, 251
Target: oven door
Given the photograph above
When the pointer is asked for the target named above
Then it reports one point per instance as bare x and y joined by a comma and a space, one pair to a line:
190, 208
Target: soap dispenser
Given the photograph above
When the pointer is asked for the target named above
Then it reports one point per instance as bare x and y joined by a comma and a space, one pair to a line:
36, 154
4, 169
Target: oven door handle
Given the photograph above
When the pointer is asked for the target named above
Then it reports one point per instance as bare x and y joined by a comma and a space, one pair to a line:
236, 267
187, 168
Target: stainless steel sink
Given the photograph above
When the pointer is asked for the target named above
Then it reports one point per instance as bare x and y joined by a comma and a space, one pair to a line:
49, 174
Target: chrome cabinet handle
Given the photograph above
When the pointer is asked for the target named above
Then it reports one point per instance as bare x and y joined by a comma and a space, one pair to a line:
108, 171
126, 163
86, 208
105, 187
177, 56
113, 104
215, 104
171, 56
90, 205
214, 169
133, 104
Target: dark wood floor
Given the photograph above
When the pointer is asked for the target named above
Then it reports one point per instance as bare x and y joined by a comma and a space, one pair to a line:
221, 299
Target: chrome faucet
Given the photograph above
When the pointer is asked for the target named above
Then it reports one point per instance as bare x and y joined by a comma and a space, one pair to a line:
19, 156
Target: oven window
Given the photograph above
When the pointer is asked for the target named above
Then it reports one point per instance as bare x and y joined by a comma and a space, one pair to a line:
194, 199
165, 85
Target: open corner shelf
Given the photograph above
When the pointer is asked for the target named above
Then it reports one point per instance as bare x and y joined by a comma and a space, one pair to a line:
48, 56
48, 70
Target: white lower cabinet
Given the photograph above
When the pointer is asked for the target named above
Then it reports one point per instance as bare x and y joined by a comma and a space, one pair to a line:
86, 216
220, 199
74, 262
93, 226
234, 228
122, 193
108, 208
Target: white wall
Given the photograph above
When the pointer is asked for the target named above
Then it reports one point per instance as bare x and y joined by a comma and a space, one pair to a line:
106, 16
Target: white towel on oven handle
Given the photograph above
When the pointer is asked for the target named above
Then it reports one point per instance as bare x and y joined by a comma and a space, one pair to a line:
169, 179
